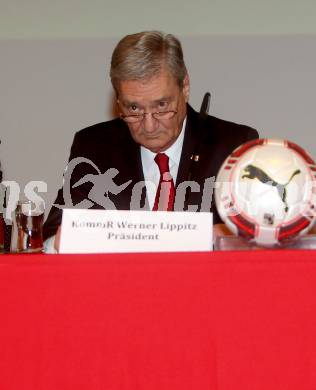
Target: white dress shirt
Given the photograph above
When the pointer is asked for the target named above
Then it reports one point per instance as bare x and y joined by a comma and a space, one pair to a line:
151, 170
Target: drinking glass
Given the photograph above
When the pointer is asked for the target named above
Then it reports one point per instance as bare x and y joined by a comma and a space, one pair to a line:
29, 218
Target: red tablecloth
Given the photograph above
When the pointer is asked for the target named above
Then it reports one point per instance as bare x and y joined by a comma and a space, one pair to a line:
234, 320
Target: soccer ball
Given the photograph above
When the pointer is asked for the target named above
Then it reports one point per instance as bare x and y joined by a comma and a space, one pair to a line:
266, 191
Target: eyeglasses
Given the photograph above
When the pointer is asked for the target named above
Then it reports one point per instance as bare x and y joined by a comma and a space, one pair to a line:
159, 115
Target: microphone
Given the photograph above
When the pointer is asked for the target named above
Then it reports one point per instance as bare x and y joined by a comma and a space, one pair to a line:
205, 106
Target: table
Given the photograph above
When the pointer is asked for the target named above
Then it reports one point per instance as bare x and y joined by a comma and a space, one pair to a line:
202, 321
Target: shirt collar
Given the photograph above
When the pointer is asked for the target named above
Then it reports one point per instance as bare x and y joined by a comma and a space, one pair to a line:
173, 152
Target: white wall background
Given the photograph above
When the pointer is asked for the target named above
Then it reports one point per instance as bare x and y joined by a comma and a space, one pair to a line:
59, 19
258, 60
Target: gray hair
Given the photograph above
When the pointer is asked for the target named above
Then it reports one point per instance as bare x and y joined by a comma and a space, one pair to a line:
143, 55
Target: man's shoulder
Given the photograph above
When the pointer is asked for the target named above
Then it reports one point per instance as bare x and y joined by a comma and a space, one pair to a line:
216, 127
216, 138
110, 138
224, 123
108, 130
224, 128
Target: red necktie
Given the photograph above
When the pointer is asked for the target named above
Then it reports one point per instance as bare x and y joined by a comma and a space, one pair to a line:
166, 192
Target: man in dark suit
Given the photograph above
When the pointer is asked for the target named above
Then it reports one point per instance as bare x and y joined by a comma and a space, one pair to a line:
115, 165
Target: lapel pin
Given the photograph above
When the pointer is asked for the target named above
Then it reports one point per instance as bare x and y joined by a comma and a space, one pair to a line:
195, 157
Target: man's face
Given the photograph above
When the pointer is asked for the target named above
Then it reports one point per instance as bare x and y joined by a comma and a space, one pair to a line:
160, 93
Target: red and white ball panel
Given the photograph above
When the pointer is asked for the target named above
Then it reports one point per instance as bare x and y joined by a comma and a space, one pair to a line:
266, 191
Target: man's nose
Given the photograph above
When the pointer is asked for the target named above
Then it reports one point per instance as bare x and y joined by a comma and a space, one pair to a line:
150, 124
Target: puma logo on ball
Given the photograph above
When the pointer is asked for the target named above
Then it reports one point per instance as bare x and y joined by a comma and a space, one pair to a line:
253, 172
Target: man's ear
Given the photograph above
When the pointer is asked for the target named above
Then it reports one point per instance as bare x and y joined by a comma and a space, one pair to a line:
186, 87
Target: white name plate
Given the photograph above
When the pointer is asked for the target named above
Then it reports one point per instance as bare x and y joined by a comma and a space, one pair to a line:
102, 231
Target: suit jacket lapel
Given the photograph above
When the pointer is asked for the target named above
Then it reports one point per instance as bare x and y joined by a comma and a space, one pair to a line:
130, 168
189, 147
